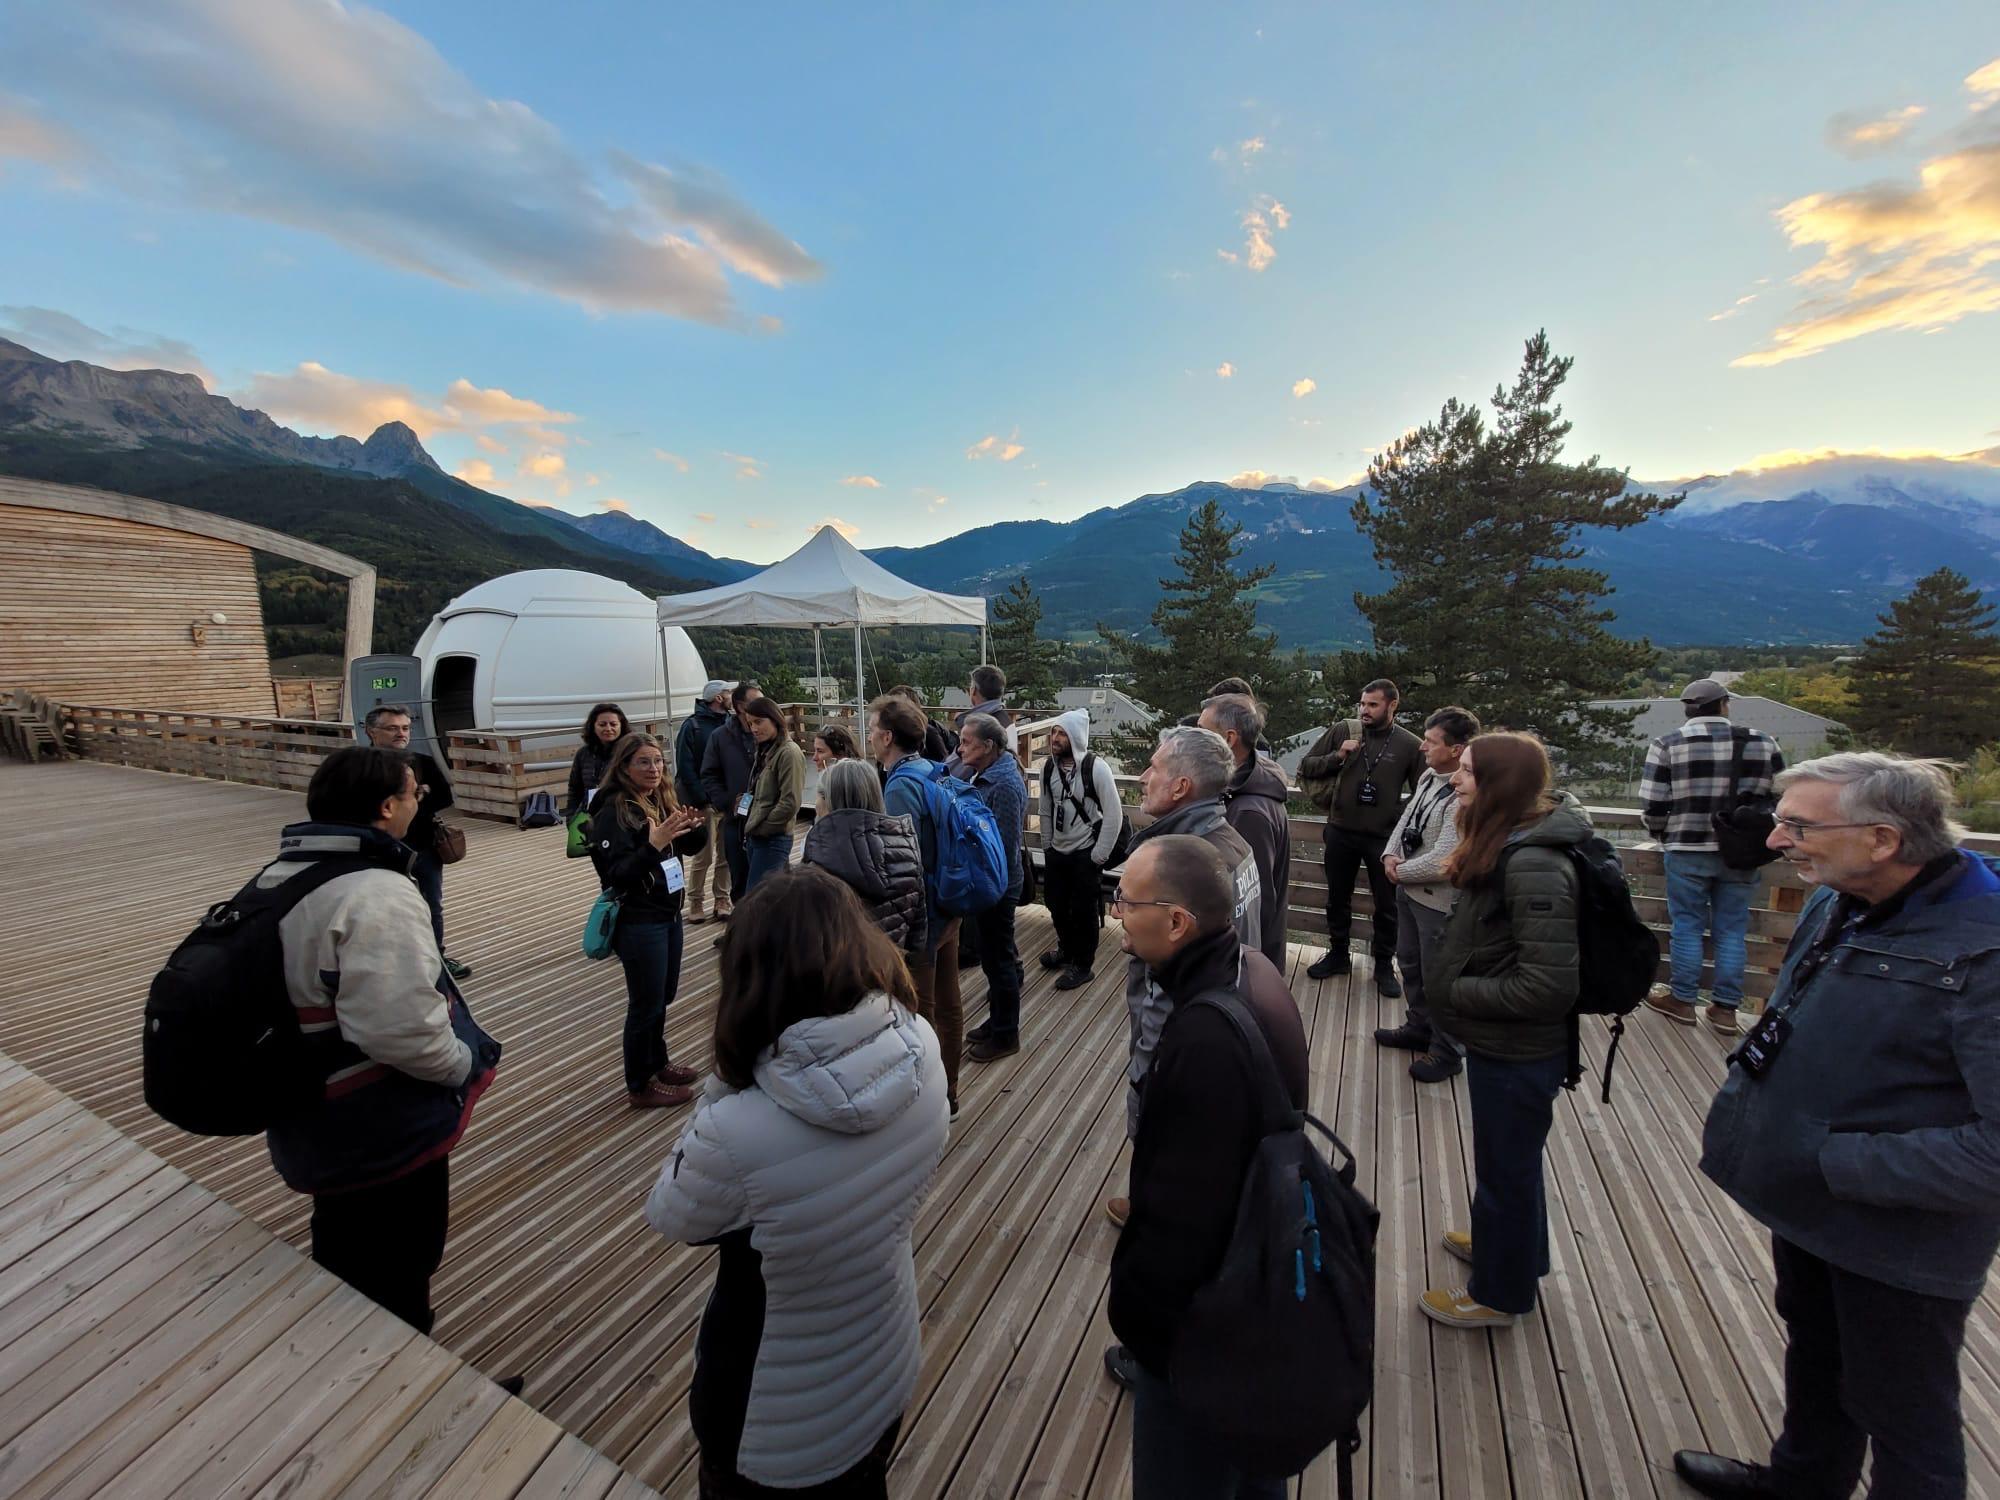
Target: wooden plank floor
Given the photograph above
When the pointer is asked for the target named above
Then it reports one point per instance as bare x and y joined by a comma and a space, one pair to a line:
1656, 1330
155, 1342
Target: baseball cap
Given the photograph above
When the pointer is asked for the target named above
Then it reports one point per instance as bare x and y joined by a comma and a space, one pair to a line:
1703, 690
715, 688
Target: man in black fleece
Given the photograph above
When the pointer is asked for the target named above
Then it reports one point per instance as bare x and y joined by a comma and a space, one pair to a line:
1197, 1135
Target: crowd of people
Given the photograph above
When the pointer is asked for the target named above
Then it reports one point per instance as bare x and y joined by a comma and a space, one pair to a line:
1859, 1121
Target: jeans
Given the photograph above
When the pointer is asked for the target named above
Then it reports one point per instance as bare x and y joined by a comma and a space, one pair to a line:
1513, 1105
1346, 853
767, 853
1418, 928
1000, 958
387, 1241
1071, 882
1704, 894
1867, 1363
1174, 1459
430, 880
737, 856
938, 1001
651, 955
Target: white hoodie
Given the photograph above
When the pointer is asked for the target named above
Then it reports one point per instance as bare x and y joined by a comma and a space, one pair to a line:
1081, 807
824, 1162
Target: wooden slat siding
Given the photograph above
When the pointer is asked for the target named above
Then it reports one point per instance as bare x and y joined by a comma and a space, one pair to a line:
160, 1343
98, 608
551, 1271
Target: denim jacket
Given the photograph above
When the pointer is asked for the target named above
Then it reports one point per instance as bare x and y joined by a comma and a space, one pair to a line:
1873, 1140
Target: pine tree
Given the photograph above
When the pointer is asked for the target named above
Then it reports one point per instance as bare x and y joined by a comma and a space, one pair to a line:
1208, 630
782, 683
1928, 682
1016, 649
1478, 527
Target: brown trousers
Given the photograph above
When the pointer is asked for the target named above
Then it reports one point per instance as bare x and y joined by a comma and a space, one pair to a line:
939, 1003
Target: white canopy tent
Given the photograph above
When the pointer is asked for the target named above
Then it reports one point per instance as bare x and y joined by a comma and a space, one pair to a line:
825, 584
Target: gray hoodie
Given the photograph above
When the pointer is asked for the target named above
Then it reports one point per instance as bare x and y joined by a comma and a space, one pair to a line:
1081, 810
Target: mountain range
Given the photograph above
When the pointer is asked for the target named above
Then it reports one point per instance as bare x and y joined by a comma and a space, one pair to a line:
1803, 552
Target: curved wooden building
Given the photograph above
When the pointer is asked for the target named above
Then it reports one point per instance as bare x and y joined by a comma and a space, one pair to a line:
111, 599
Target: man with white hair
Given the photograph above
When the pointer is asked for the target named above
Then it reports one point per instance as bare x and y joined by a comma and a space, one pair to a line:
1860, 1123
1254, 802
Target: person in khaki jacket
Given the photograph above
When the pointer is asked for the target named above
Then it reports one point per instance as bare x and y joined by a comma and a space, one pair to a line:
1360, 771
777, 789
1419, 845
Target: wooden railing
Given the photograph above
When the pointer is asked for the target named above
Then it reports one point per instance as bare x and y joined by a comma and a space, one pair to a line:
321, 699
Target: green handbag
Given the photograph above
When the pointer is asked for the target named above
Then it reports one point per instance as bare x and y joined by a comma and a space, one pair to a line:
600, 926
578, 842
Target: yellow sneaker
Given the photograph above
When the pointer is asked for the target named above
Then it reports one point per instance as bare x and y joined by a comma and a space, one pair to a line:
1456, 1309
1457, 1242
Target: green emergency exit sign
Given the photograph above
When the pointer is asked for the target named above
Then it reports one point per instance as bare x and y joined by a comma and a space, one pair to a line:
383, 684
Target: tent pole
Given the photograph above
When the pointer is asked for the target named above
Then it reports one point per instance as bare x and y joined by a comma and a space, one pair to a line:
860, 693
667, 675
983, 657
819, 668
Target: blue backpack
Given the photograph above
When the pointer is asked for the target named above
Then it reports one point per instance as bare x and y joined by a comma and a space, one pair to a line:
971, 873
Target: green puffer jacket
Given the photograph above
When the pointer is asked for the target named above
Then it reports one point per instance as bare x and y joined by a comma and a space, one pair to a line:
1504, 977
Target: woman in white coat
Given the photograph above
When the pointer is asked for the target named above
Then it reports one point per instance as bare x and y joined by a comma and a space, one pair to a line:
806, 1161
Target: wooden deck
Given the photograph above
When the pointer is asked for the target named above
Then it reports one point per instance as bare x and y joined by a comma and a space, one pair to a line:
1656, 1330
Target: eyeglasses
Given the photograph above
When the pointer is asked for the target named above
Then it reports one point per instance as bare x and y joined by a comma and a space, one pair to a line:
1799, 830
1121, 902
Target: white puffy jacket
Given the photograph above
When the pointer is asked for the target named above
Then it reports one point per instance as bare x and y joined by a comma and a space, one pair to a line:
815, 1176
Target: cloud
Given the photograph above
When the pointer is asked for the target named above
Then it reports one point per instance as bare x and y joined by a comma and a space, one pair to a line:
623, 507
746, 467
862, 482
543, 465
1984, 84
1894, 256
1225, 370
592, 481
705, 518
1005, 449
548, 437
474, 471
1787, 458
1855, 134
1265, 217
25, 137
1734, 308
758, 523
1256, 479
671, 458
313, 396
933, 500
494, 407
490, 444
60, 336
846, 528
341, 121
1304, 387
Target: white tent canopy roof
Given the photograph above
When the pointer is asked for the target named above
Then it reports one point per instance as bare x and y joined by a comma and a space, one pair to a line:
825, 582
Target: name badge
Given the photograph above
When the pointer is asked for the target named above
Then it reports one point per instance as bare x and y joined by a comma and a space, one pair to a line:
743, 806
672, 874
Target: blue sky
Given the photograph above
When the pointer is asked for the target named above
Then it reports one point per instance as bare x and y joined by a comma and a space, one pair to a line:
996, 259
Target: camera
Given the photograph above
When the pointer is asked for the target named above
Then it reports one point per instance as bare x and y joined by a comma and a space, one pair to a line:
1413, 839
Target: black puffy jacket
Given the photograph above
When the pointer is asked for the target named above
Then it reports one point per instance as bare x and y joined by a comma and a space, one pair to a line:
875, 856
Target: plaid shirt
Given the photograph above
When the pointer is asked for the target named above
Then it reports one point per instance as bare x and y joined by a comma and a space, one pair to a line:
1687, 778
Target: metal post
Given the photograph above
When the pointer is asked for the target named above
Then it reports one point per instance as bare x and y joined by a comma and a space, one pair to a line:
667, 677
860, 695
983, 657
819, 669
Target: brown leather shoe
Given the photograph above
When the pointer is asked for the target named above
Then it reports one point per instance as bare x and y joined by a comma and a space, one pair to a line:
1118, 1210
676, 1076
1661, 999
657, 1095
1722, 1021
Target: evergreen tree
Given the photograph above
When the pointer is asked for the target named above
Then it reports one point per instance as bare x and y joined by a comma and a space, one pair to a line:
782, 683
1928, 682
1208, 629
1478, 528
1016, 650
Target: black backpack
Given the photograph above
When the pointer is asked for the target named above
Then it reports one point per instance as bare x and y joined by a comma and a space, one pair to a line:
1742, 826
1618, 955
1086, 772
1276, 1355
223, 1053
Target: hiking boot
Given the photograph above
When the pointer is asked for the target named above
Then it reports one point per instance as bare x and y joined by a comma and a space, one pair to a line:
1405, 1036
986, 1049
694, 916
1722, 1021
722, 911
1457, 1242
1456, 1309
1436, 1067
1119, 1365
1661, 999
1724, 1478
673, 1075
979, 1033
1073, 978
657, 1095
1333, 963
456, 969
1053, 959
1118, 1210
1386, 983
